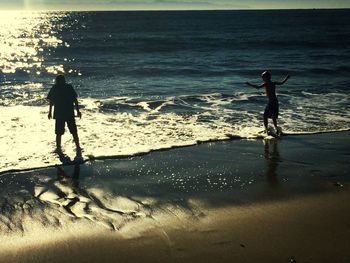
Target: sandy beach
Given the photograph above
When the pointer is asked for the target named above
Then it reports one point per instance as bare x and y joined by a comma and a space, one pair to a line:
234, 201
170, 100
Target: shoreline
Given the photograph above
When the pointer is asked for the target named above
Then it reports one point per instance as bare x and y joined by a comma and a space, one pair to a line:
91, 158
240, 200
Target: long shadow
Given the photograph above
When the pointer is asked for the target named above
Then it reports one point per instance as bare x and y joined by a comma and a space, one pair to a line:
74, 177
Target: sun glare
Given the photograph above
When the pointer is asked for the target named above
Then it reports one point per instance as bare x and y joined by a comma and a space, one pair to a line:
25, 36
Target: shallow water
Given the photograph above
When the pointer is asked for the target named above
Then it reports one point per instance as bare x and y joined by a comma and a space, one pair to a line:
154, 80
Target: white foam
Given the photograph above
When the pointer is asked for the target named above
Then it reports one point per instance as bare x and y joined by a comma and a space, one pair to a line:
27, 137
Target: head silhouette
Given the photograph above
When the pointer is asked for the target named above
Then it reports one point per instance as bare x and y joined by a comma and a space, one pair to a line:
266, 76
60, 80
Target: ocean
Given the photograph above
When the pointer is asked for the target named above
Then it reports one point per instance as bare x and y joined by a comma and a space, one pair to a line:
158, 80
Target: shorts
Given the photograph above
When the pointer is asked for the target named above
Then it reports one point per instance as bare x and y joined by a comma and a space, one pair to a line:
271, 109
60, 123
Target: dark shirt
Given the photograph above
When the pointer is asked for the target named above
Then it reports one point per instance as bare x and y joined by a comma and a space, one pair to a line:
62, 97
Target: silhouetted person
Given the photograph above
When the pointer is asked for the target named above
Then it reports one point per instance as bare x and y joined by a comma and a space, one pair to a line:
272, 107
63, 98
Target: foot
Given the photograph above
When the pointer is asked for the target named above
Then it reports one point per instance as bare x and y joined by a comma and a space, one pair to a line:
266, 131
278, 130
78, 151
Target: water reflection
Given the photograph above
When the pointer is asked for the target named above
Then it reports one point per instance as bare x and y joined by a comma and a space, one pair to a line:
69, 179
272, 157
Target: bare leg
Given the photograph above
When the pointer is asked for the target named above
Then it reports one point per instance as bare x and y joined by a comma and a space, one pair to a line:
275, 123
265, 123
278, 129
58, 141
76, 141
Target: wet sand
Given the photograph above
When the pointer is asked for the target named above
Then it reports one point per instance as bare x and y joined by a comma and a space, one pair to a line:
241, 201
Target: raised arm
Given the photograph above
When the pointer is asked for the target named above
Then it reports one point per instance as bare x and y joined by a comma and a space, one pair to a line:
254, 86
283, 81
77, 108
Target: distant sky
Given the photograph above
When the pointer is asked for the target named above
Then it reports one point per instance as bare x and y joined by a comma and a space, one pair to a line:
169, 4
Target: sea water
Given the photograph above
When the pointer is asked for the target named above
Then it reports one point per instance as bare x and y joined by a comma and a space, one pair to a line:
156, 80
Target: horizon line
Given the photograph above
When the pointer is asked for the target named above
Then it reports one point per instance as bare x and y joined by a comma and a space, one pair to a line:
170, 10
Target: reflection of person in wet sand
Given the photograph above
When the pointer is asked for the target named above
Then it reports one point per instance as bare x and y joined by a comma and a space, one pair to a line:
61, 173
63, 97
272, 158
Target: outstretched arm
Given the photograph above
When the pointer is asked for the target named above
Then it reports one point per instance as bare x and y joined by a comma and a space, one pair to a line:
283, 81
50, 111
77, 108
254, 86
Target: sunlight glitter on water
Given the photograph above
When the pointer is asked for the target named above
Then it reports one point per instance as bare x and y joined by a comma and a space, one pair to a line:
135, 100
25, 36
